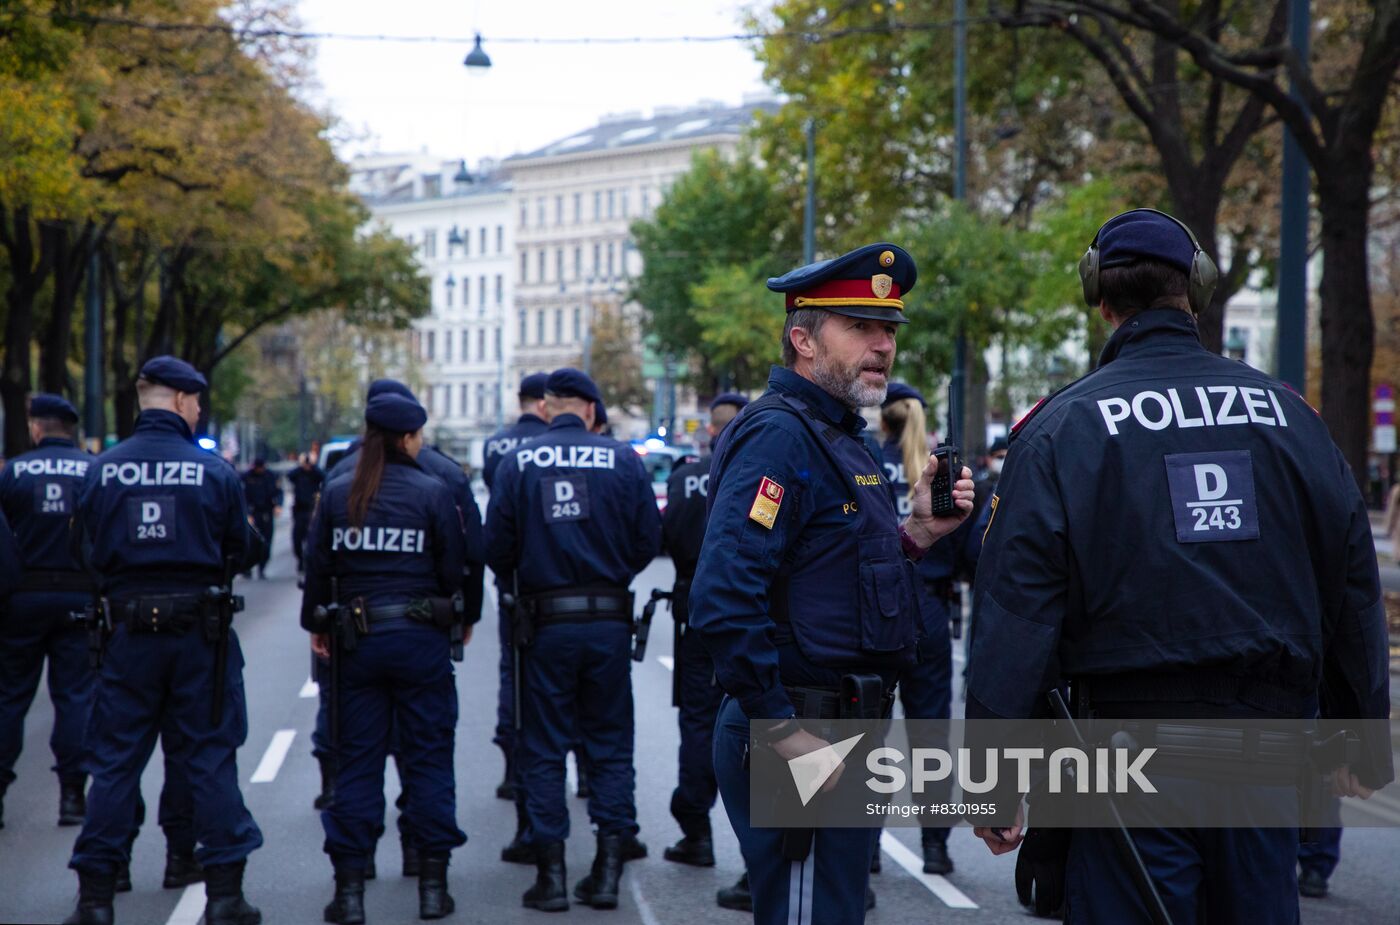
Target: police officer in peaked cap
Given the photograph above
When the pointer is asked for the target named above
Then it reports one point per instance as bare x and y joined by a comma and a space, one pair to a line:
164, 526
802, 528
1177, 535
695, 693
383, 589
38, 492
571, 522
531, 423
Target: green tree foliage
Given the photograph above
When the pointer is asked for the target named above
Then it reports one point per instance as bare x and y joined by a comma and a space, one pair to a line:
740, 322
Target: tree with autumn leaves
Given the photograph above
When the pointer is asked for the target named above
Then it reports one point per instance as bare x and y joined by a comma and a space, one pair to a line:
178, 152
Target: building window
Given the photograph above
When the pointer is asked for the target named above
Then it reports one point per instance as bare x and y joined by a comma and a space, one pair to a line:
578, 208
540, 261
481, 295
448, 288
481, 399
612, 202
578, 263
539, 326
624, 203
500, 288
481, 344
559, 325
464, 399
498, 343
522, 327
539, 212
559, 264
500, 239
611, 273
524, 213
558, 210
646, 201
578, 325
524, 266
430, 243
597, 205
597, 265
481, 240
447, 347
465, 356
432, 344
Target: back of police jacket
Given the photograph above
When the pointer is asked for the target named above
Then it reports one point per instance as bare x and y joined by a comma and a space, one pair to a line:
157, 513
1179, 515
571, 509
409, 547
39, 492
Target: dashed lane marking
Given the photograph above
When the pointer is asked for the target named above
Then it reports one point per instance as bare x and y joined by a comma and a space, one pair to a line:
190, 909
310, 689
274, 756
643, 907
952, 897
667, 661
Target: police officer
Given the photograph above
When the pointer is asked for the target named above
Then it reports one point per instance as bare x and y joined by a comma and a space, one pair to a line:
1107, 564
306, 481
694, 689
926, 690
383, 588
164, 523
573, 519
531, 423
448, 471
264, 496
802, 531
38, 491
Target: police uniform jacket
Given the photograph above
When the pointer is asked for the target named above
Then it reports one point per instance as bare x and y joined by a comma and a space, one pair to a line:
11, 570
305, 485
1179, 526
802, 576
262, 490
446, 470
505, 440
683, 523
39, 493
158, 514
409, 547
572, 509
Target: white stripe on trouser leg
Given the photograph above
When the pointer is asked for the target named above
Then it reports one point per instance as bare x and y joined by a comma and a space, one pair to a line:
795, 893
808, 882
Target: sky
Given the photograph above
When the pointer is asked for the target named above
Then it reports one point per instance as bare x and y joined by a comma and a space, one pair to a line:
397, 97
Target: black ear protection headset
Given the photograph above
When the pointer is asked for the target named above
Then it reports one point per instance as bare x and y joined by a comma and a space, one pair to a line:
1201, 280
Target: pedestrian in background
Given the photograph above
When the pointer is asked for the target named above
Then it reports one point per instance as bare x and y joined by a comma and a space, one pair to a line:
264, 496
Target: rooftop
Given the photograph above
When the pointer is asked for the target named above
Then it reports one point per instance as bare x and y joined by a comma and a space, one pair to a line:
630, 129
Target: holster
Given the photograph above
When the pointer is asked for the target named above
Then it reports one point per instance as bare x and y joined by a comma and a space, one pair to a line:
441, 612
522, 624
863, 696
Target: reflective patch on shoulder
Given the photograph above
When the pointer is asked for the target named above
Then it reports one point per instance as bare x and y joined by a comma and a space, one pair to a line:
766, 503
1213, 496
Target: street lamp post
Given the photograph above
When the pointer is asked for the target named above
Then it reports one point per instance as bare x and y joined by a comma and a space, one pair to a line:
958, 387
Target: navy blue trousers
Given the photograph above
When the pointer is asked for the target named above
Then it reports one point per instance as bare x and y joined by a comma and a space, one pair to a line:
399, 675
505, 692
926, 692
266, 524
1203, 875
301, 523
37, 627
149, 680
700, 697
828, 888
578, 691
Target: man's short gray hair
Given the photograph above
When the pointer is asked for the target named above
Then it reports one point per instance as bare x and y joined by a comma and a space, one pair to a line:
810, 320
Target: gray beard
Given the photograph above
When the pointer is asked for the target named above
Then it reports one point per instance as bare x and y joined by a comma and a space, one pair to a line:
844, 387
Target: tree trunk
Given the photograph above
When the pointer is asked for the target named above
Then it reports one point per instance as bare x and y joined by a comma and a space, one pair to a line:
974, 435
1348, 329
16, 370
69, 260
1198, 205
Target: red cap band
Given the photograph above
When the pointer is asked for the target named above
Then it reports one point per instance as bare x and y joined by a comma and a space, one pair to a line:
843, 289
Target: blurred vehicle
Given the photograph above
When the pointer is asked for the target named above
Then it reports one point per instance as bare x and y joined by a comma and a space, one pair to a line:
659, 459
332, 451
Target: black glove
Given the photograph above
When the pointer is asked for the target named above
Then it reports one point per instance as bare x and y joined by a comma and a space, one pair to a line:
1040, 871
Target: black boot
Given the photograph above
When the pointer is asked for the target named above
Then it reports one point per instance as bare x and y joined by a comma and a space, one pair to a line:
736, 897
348, 906
181, 869
1312, 884
875, 862
327, 794
123, 884
633, 848
94, 899
936, 859
869, 899
519, 851
371, 872
434, 902
412, 865
223, 884
72, 803
550, 892
599, 888
697, 848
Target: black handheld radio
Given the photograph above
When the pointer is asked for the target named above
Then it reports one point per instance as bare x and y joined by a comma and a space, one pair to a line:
949, 464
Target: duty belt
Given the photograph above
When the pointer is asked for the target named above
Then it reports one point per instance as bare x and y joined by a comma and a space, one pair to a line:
580, 606
1205, 687
55, 580
162, 613
1208, 751
826, 702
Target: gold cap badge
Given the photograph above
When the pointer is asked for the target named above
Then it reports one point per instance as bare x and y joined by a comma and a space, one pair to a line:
881, 284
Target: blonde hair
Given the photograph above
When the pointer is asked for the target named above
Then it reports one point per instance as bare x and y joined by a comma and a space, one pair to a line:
905, 419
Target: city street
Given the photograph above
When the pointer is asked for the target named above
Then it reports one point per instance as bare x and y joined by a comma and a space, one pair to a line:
290, 877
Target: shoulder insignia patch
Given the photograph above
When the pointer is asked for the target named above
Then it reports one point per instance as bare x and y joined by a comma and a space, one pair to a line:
991, 517
766, 502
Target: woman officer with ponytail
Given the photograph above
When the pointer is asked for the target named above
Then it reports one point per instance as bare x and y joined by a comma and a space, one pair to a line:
925, 691
386, 547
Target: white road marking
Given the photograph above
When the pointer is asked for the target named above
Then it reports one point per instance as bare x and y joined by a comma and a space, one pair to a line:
190, 909
310, 689
643, 907
571, 772
274, 756
667, 661
952, 897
